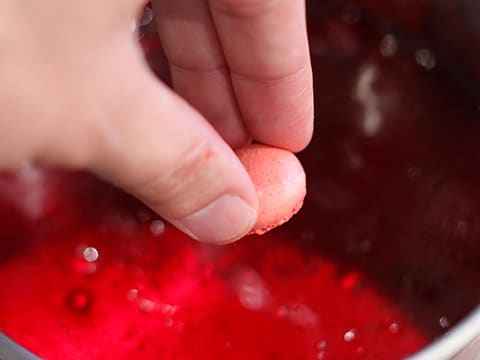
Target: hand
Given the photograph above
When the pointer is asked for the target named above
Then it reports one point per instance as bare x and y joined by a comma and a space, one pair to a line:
76, 92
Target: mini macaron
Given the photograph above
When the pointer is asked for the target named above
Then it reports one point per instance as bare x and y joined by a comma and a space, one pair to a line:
280, 182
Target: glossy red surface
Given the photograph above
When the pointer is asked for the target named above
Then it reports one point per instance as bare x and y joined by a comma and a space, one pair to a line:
382, 258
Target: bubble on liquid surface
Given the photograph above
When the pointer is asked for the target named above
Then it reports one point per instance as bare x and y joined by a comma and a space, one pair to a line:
298, 313
85, 259
251, 289
369, 99
321, 345
425, 58
444, 322
132, 294
350, 335
388, 45
393, 328
90, 254
157, 227
168, 309
146, 305
147, 16
321, 355
149, 305
79, 300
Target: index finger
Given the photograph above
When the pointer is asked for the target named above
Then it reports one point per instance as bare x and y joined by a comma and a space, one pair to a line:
266, 47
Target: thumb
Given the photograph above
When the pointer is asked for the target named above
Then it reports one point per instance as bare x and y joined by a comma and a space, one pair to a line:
171, 158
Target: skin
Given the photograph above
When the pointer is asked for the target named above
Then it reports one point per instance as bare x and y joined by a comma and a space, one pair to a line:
76, 92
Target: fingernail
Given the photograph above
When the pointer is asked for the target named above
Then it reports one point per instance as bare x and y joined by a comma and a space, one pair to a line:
224, 220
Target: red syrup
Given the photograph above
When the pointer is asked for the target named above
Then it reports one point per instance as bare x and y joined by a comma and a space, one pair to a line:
382, 259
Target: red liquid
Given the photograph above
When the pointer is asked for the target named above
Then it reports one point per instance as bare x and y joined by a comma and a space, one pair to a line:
383, 258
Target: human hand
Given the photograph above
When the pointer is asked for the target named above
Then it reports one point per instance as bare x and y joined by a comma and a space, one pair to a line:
76, 92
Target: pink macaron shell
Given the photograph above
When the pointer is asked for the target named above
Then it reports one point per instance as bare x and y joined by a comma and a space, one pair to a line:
280, 182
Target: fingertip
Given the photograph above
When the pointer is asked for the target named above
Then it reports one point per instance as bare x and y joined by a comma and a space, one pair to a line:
279, 112
223, 221
290, 130
296, 138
